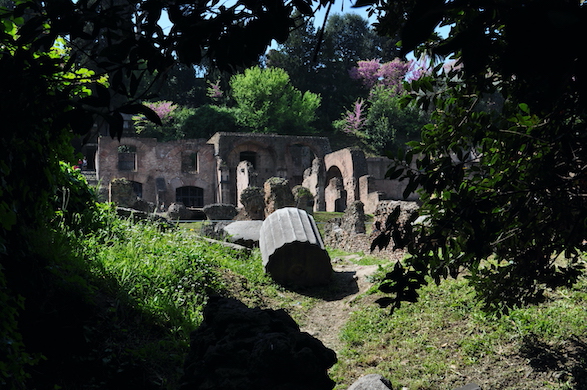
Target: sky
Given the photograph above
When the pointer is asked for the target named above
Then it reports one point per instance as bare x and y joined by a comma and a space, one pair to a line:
343, 7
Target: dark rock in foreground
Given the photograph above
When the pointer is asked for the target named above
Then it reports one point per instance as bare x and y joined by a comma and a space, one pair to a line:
238, 348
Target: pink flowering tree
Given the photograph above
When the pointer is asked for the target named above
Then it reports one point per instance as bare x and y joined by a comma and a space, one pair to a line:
391, 74
354, 119
173, 118
214, 91
164, 109
382, 122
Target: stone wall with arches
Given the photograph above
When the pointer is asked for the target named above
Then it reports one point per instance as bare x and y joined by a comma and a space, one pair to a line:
199, 172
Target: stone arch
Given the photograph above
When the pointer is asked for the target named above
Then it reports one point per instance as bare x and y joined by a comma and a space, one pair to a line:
265, 164
335, 193
352, 165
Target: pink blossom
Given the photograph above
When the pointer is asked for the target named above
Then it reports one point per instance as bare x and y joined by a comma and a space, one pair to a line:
389, 74
367, 71
214, 90
163, 109
417, 69
354, 119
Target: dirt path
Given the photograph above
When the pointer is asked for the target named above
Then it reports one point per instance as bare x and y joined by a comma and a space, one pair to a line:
325, 320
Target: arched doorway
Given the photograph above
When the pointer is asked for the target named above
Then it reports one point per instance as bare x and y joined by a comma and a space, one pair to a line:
335, 193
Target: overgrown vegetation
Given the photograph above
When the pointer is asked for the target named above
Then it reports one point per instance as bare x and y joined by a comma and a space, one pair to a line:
112, 307
117, 302
446, 340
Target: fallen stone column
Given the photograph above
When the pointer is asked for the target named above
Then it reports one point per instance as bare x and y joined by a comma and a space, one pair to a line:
292, 250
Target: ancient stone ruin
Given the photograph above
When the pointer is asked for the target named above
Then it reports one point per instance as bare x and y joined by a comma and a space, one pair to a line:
121, 192
303, 198
238, 348
253, 201
199, 172
354, 218
220, 212
292, 250
350, 232
277, 195
177, 211
245, 233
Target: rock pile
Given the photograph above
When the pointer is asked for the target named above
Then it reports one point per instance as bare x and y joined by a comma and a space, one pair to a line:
345, 232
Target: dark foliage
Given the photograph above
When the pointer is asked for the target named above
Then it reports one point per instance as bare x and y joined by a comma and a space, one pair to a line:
501, 169
45, 102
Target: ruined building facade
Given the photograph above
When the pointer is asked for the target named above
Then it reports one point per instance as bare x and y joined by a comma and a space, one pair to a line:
198, 172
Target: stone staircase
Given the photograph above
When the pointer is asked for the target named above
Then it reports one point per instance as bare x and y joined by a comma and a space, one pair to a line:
91, 177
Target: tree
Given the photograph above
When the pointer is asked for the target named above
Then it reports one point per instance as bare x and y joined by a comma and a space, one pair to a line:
381, 122
173, 121
320, 63
180, 85
296, 56
267, 102
179, 122
501, 168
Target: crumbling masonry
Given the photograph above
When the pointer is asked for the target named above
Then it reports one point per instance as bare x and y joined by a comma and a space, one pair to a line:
198, 172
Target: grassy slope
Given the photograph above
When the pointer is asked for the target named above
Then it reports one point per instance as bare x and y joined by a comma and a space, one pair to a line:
148, 287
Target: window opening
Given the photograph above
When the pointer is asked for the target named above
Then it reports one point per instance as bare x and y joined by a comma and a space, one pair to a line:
189, 162
190, 196
137, 188
250, 157
127, 158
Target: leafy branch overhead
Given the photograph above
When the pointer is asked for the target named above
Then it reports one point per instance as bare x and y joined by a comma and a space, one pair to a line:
123, 42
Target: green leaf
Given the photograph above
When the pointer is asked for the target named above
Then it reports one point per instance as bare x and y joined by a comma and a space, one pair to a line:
392, 175
524, 107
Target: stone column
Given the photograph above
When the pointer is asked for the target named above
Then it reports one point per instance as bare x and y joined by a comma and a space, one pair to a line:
223, 182
246, 177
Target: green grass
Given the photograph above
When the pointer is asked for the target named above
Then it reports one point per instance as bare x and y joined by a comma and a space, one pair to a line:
445, 340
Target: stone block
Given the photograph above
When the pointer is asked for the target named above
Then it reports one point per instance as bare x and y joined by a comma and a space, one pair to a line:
220, 212
177, 211
245, 233
121, 192
353, 220
303, 198
371, 382
292, 250
277, 195
253, 201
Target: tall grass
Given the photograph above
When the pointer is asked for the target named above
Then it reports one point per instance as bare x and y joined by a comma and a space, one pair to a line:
141, 290
165, 274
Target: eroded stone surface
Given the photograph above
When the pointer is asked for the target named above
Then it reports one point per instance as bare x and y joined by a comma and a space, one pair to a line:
371, 382
277, 195
292, 250
220, 212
